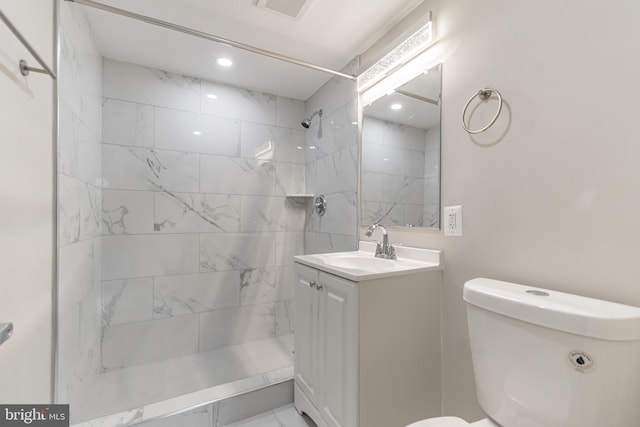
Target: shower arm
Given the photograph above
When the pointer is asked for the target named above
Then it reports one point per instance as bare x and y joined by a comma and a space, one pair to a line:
316, 113
211, 37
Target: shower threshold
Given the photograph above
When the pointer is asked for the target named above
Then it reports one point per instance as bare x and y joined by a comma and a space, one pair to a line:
133, 395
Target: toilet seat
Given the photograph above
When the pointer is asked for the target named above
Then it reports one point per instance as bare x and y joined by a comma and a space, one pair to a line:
485, 422
441, 422
453, 422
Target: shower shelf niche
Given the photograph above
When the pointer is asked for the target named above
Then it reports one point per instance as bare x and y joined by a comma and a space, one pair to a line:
299, 199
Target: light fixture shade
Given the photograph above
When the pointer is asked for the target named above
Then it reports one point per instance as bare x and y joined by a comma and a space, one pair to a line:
401, 54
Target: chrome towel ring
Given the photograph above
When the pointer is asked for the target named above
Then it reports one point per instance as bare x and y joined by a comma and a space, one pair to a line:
483, 94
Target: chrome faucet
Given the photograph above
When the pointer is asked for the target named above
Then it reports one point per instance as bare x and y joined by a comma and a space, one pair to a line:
384, 250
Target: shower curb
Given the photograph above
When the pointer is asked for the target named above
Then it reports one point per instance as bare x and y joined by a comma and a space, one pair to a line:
271, 390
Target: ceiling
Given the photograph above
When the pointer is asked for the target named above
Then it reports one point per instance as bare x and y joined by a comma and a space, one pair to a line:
329, 33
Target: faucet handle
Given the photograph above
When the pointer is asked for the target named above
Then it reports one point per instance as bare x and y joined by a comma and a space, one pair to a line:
391, 252
379, 250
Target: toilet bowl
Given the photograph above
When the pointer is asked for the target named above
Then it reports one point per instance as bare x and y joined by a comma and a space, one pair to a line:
543, 358
453, 422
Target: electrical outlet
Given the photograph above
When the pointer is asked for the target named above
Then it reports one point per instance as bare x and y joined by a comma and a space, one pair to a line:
453, 221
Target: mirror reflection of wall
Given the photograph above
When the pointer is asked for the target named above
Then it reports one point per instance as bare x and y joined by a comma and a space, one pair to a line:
401, 155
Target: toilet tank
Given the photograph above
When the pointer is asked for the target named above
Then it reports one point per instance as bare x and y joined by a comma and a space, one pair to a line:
543, 358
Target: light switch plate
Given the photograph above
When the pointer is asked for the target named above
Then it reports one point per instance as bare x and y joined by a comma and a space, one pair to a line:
453, 221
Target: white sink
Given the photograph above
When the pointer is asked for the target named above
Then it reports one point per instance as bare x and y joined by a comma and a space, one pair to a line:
360, 261
362, 265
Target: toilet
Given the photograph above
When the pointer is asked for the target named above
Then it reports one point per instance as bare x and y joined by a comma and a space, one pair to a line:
543, 358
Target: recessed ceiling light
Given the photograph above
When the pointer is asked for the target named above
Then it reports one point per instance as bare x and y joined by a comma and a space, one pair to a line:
396, 106
197, 132
212, 96
225, 62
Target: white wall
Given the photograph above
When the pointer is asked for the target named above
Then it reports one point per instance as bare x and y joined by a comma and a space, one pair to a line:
550, 194
26, 195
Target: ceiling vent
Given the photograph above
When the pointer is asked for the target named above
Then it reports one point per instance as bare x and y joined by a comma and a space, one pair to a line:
290, 8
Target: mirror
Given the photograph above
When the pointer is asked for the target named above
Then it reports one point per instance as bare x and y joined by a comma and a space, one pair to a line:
400, 169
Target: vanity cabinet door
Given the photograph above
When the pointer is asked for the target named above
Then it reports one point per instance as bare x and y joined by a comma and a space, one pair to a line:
326, 344
338, 350
306, 339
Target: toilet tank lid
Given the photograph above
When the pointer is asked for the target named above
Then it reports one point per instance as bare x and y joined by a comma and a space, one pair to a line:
556, 310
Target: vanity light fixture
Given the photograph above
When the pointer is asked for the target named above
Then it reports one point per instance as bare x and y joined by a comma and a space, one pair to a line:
400, 55
225, 62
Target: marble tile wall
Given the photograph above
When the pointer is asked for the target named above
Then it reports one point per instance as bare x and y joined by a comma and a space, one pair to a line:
431, 212
332, 166
400, 166
79, 202
198, 234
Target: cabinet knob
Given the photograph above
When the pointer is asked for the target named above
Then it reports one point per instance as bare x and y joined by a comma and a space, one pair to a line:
312, 284
319, 286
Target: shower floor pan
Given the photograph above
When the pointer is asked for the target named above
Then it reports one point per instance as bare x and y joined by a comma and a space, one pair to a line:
134, 395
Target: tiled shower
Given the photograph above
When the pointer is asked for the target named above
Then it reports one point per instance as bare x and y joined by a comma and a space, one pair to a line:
177, 228
199, 238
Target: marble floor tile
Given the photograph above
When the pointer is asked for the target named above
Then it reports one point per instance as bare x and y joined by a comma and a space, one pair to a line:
268, 419
288, 416
285, 416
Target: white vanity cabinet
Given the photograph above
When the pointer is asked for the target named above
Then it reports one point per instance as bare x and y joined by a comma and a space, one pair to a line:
325, 347
367, 348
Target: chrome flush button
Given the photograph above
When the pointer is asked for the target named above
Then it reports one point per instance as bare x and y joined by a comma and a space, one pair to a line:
581, 361
537, 293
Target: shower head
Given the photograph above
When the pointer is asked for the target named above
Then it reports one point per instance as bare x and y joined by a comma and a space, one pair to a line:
306, 123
